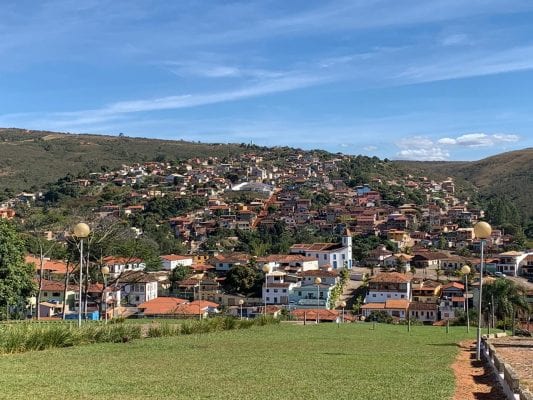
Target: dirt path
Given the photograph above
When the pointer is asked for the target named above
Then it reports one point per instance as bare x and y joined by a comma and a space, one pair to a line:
473, 380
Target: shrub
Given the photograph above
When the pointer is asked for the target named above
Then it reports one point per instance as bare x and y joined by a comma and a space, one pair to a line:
379, 316
163, 330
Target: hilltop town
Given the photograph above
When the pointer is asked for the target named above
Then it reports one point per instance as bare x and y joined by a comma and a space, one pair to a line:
261, 234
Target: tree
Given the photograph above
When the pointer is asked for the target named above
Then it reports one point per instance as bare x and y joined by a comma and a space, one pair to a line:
178, 274
379, 316
16, 276
506, 297
242, 279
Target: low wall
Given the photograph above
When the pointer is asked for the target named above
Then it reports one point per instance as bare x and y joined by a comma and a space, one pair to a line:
505, 374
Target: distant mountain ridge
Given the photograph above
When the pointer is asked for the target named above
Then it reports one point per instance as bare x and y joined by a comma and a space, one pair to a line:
508, 174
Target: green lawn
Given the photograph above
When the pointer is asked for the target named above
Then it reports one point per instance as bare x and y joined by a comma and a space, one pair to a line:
271, 362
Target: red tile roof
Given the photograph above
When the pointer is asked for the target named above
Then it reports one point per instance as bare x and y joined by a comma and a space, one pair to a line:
161, 305
311, 314
55, 266
391, 277
175, 257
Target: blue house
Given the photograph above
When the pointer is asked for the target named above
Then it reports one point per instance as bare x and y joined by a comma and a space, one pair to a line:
305, 296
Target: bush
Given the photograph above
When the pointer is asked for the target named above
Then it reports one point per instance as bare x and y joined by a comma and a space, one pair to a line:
163, 330
379, 316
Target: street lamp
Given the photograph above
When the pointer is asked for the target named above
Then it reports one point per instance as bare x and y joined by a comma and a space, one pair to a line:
105, 273
33, 301
342, 304
482, 230
81, 231
241, 302
318, 281
267, 269
465, 269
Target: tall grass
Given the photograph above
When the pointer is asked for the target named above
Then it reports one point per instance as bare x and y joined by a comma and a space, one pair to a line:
27, 337
205, 326
30, 337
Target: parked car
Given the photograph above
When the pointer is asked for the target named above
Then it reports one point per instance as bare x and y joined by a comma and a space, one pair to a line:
499, 274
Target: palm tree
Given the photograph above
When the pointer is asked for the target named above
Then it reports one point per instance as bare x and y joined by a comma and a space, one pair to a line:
507, 298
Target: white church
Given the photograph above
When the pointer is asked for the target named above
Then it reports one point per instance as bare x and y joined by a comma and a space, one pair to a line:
336, 255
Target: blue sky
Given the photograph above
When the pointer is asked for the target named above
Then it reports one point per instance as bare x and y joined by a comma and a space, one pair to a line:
424, 80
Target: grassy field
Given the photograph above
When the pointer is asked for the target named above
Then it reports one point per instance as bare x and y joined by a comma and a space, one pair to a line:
284, 362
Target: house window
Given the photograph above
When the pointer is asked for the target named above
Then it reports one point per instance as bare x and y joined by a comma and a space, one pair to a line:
300, 294
275, 290
325, 256
402, 296
373, 295
344, 256
268, 298
56, 294
137, 298
388, 296
284, 290
268, 290
334, 256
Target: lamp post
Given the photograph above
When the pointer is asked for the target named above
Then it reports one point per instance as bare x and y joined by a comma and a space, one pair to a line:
33, 301
342, 304
81, 231
466, 270
241, 302
267, 269
482, 230
105, 273
199, 278
318, 281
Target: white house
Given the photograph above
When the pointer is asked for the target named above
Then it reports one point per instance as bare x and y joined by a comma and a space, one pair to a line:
276, 290
224, 261
289, 262
137, 287
327, 277
119, 265
338, 255
510, 262
388, 286
171, 261
395, 308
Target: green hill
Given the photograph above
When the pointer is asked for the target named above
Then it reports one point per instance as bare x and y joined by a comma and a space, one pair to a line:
30, 159
507, 175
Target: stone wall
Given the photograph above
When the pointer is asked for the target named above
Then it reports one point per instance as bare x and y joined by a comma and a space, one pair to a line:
504, 372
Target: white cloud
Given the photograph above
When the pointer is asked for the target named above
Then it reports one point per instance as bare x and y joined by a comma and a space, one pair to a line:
117, 110
214, 70
420, 148
429, 154
479, 139
446, 141
474, 140
506, 138
454, 40
370, 148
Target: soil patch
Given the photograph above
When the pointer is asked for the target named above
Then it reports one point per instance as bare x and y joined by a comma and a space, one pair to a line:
474, 380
